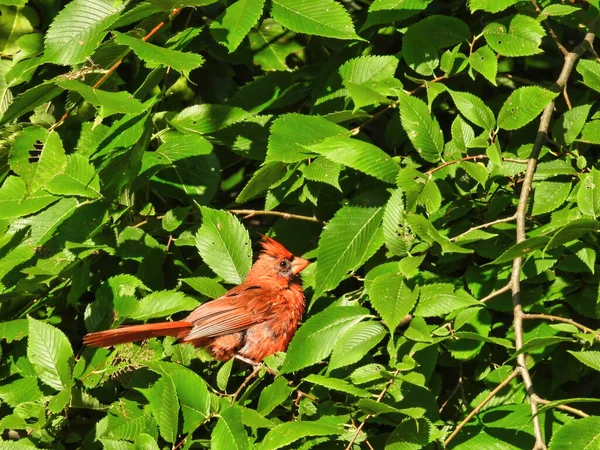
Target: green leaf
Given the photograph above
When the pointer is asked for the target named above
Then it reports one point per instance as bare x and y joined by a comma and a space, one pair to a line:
345, 244
515, 36
573, 230
423, 39
478, 337
49, 350
76, 31
355, 343
442, 299
29, 100
323, 18
422, 128
358, 155
192, 392
107, 103
184, 168
484, 61
229, 433
50, 162
15, 203
318, 335
556, 167
206, 286
79, 179
558, 10
591, 132
286, 433
155, 56
292, 134
273, 396
388, 11
230, 28
271, 45
581, 433
474, 109
224, 245
336, 384
521, 249
589, 358
13, 330
522, 106
569, 125
548, 196
395, 228
323, 170
426, 231
161, 304
391, 298
44, 224
492, 6
165, 407
590, 70
537, 343
265, 177
206, 118
588, 196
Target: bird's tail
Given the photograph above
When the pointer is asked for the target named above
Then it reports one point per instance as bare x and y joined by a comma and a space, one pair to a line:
134, 333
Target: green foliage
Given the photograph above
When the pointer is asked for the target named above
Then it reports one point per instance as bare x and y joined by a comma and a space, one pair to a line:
144, 145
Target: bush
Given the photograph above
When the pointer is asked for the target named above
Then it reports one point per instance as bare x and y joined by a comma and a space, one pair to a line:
436, 160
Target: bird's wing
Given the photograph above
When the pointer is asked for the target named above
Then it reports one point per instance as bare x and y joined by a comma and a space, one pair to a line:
238, 310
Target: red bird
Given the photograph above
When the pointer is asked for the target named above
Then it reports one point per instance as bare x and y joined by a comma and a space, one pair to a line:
252, 321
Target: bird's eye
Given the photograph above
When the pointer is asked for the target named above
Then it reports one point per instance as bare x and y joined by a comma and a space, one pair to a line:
285, 264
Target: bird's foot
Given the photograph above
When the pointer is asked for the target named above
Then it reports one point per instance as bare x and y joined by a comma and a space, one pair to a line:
256, 364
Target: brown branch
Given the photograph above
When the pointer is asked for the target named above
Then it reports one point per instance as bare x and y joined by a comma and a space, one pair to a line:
485, 225
551, 32
491, 395
379, 398
253, 212
521, 218
529, 316
114, 67
471, 158
566, 408
379, 113
495, 294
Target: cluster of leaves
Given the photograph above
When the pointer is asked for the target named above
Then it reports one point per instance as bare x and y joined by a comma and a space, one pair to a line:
388, 140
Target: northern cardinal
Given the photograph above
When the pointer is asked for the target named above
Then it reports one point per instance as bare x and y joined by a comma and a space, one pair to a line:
251, 321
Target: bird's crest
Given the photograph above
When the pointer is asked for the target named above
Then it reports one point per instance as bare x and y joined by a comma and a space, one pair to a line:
273, 248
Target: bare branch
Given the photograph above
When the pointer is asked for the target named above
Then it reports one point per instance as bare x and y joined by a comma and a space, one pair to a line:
495, 294
566, 408
485, 225
521, 218
253, 212
552, 318
490, 396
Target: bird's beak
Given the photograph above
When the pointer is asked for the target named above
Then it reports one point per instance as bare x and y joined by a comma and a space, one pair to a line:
299, 264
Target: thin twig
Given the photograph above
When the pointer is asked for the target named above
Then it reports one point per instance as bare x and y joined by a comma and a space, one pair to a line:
379, 398
569, 63
495, 294
379, 113
253, 212
491, 395
566, 408
456, 389
485, 225
551, 32
455, 161
551, 318
567, 99
114, 67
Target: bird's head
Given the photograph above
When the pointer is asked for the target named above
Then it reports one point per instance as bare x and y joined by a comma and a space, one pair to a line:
276, 260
